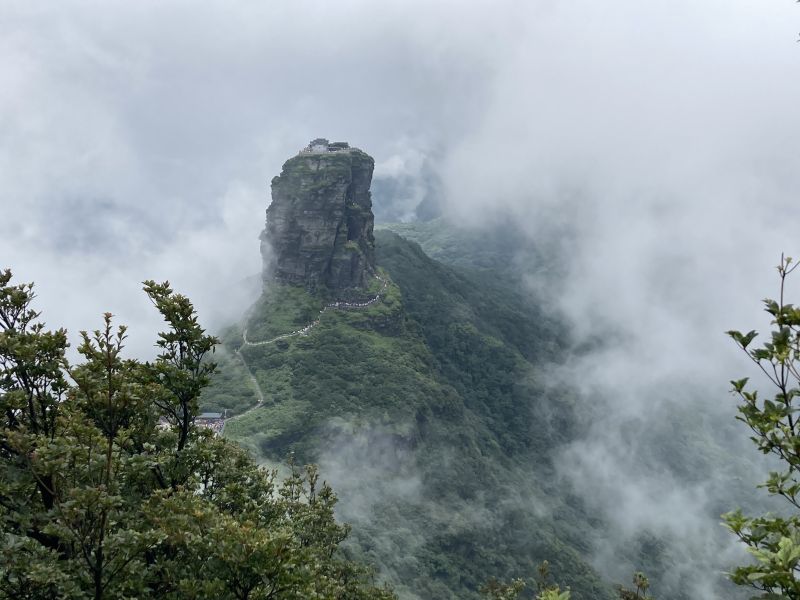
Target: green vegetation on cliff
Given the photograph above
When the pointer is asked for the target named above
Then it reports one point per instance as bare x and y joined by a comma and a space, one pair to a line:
436, 417
428, 412
355, 363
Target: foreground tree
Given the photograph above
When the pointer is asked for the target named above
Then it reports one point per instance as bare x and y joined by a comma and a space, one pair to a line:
499, 590
773, 541
109, 490
639, 591
495, 589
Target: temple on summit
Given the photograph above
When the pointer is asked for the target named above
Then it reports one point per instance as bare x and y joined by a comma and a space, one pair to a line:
319, 224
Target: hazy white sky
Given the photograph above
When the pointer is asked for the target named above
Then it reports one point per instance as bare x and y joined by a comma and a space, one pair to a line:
137, 140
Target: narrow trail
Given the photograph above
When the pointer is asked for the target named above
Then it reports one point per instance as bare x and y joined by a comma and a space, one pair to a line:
256, 387
302, 331
253, 379
333, 306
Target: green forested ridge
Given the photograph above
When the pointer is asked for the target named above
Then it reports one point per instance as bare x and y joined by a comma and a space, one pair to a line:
689, 440
427, 411
432, 415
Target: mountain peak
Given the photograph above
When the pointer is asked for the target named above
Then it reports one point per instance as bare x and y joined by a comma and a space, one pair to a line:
319, 224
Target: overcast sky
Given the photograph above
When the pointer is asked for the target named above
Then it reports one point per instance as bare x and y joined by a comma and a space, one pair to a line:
137, 140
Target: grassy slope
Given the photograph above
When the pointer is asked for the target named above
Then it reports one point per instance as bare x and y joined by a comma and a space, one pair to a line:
432, 400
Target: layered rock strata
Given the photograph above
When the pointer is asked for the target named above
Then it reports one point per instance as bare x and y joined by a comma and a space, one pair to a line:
319, 224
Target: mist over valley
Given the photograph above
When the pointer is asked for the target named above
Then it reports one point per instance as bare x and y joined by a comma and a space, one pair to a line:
474, 262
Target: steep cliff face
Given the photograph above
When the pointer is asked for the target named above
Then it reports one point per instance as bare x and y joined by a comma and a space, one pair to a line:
319, 225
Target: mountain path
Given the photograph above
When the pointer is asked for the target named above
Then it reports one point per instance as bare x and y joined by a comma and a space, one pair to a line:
314, 323
303, 331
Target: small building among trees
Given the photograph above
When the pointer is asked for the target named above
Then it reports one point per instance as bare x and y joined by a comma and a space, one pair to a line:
321, 146
211, 420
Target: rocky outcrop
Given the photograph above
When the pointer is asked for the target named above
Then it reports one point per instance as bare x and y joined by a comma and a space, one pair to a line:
319, 225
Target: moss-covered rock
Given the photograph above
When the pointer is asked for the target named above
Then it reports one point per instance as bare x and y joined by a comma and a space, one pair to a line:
319, 225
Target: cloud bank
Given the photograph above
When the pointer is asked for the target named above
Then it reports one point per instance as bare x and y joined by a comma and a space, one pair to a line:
138, 140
